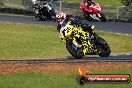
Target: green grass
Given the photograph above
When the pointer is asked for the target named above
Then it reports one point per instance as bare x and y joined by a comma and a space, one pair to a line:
22, 41
29, 41
104, 2
13, 1
54, 80
118, 43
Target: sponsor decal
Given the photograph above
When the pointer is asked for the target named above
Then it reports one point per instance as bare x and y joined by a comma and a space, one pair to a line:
83, 78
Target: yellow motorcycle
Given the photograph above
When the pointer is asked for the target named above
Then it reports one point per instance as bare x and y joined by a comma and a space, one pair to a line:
80, 43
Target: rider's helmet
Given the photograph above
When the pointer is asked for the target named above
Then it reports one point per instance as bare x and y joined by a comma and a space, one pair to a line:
60, 17
88, 1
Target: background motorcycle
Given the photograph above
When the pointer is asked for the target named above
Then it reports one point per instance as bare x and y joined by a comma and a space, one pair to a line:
44, 10
94, 12
79, 44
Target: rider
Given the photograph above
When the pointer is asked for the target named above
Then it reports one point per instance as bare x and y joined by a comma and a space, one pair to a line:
62, 19
88, 3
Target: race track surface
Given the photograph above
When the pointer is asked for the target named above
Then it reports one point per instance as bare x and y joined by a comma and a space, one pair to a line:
24, 19
115, 27
70, 59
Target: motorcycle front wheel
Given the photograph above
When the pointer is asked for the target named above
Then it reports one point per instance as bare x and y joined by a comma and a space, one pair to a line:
77, 53
104, 49
103, 17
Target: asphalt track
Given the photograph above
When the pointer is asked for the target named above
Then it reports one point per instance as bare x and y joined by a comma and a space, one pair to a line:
115, 27
89, 58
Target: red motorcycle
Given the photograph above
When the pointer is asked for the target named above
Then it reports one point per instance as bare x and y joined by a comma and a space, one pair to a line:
93, 12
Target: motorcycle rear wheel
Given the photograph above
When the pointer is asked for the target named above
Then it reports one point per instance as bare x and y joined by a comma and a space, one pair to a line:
37, 15
72, 51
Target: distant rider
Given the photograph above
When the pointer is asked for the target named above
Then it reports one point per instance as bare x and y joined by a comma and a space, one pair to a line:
88, 5
62, 19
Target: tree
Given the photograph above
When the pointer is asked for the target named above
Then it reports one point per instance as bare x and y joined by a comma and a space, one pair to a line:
1, 2
128, 4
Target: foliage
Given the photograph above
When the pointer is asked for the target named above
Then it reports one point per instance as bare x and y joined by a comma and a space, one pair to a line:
1, 2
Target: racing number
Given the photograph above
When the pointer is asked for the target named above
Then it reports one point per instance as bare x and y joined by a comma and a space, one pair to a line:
65, 30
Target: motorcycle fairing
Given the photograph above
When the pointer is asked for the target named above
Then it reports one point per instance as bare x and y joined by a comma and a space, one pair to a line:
95, 16
73, 32
94, 8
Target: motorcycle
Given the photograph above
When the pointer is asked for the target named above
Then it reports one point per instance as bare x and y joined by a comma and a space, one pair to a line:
79, 43
44, 10
93, 12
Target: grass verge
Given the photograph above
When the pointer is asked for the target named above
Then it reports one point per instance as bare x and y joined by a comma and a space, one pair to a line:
105, 2
17, 3
22, 41
54, 80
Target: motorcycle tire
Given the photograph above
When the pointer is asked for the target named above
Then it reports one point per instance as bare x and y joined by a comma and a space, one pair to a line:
42, 18
38, 16
103, 17
104, 49
72, 51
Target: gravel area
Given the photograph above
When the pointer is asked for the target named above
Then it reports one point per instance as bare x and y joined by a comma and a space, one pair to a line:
63, 67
